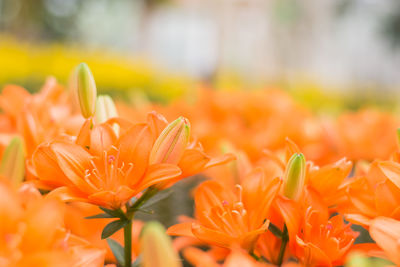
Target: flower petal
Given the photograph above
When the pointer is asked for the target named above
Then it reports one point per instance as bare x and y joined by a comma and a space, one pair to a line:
135, 146
181, 229
158, 174
74, 161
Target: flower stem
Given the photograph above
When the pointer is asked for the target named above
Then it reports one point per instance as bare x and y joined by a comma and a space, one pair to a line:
128, 243
285, 239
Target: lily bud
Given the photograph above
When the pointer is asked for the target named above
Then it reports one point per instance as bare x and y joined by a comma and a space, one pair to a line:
105, 108
171, 143
156, 247
398, 136
294, 178
357, 259
86, 90
12, 165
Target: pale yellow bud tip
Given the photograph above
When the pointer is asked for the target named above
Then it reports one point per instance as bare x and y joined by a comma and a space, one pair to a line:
294, 176
156, 247
87, 91
12, 165
105, 109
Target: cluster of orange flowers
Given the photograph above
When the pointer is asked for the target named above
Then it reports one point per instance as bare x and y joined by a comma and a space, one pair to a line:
284, 185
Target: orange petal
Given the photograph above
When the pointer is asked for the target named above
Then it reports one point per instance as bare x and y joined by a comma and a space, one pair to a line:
211, 236
193, 161
392, 171
386, 233
83, 138
40, 229
157, 123
47, 168
198, 257
220, 160
327, 179
158, 174
112, 199
102, 137
208, 195
74, 161
135, 146
12, 99
181, 229
313, 255
66, 194
291, 214
358, 219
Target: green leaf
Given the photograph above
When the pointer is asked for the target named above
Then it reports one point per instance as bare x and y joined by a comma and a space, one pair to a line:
137, 262
99, 216
145, 211
114, 213
117, 250
158, 197
275, 230
113, 227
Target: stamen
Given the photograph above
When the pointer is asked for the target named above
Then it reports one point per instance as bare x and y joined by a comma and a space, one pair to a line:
240, 191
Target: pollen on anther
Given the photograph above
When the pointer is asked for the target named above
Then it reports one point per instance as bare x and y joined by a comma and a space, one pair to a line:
111, 159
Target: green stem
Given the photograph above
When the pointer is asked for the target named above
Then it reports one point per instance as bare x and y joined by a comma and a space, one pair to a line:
285, 239
128, 243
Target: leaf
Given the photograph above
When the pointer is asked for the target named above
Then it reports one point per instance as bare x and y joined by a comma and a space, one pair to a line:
158, 197
113, 227
137, 262
114, 213
145, 211
275, 230
99, 216
117, 250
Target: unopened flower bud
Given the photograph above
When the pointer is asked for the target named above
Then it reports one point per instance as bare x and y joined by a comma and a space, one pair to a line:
105, 109
87, 91
171, 143
357, 259
156, 247
12, 165
294, 178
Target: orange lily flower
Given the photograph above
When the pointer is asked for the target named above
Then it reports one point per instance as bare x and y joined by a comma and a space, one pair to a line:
375, 194
315, 239
108, 170
33, 232
228, 219
40, 117
268, 116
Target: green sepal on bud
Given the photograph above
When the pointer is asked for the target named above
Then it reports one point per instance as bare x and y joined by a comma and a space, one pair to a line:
295, 175
12, 165
156, 247
87, 91
171, 144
